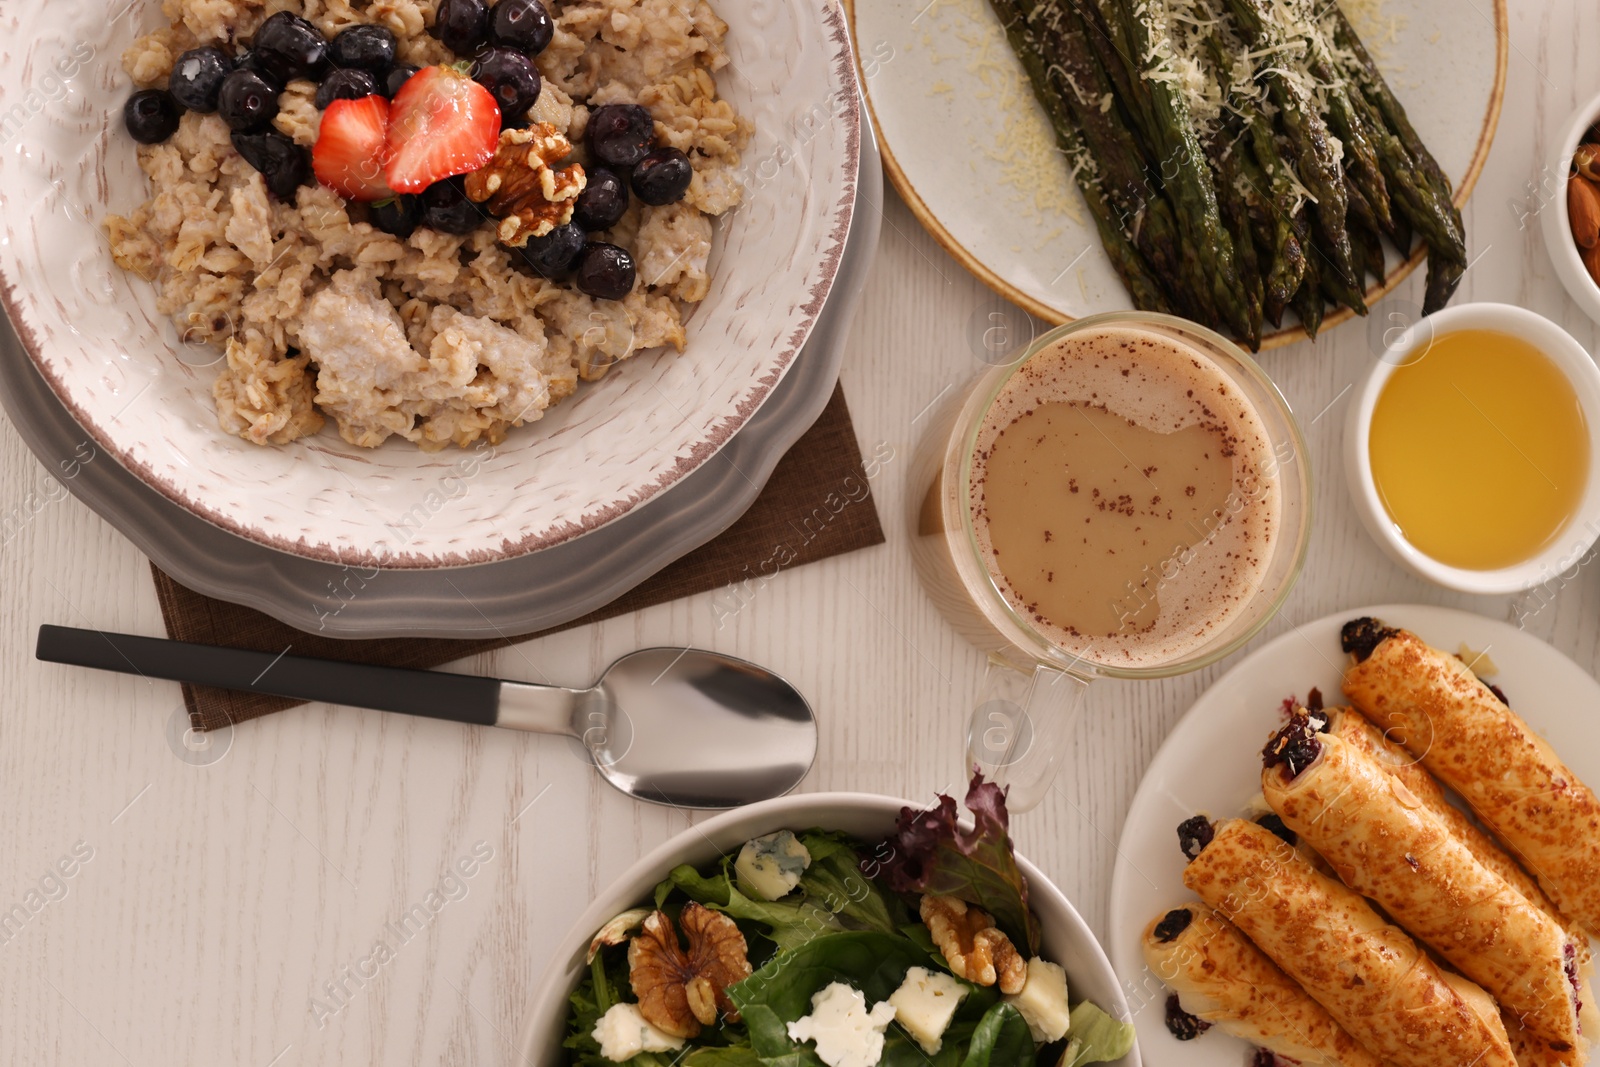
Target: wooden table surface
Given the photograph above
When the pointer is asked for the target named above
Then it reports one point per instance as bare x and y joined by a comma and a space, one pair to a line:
222, 895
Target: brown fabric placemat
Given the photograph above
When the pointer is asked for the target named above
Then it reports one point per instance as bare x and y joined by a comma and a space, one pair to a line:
775, 527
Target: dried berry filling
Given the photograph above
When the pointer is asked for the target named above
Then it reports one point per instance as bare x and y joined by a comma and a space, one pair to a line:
1173, 923
1361, 636
1276, 825
1181, 1024
1569, 964
1295, 747
1194, 834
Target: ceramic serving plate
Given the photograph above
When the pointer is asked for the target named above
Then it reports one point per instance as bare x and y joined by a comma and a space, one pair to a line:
992, 189
522, 594
1067, 938
1211, 764
121, 370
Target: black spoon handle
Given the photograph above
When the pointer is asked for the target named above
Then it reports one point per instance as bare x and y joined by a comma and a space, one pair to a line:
462, 698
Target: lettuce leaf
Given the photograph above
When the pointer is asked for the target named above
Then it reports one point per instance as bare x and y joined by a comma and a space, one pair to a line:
1096, 1037
931, 853
787, 923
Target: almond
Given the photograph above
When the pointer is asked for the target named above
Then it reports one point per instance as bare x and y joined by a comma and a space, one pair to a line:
1583, 210
1591, 259
1586, 160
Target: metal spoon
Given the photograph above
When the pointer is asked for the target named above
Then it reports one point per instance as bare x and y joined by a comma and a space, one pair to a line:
679, 726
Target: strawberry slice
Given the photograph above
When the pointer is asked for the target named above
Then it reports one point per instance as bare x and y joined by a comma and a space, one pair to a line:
352, 147
442, 123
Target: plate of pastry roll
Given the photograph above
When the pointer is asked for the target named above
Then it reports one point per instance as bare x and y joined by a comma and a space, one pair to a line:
1370, 843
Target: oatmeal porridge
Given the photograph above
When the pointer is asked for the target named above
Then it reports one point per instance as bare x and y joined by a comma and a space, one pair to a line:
425, 219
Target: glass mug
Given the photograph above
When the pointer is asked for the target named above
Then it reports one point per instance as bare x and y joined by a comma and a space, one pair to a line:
1034, 687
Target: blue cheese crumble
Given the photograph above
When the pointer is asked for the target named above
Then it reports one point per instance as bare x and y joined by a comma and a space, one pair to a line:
770, 867
623, 1033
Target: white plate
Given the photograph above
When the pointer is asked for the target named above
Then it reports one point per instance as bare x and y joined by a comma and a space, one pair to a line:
114, 361
1067, 938
945, 65
530, 592
1211, 763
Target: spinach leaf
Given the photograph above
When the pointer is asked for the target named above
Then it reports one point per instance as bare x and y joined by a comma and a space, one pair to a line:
781, 992
836, 882
1002, 1039
723, 1057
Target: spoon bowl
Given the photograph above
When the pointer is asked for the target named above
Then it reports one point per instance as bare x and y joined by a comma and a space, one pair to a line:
677, 726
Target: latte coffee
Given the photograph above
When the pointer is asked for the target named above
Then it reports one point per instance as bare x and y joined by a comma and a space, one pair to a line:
1124, 497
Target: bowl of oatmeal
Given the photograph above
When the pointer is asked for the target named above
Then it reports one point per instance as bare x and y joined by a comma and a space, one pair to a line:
421, 284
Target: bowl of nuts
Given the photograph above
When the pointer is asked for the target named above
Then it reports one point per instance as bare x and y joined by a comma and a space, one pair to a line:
832, 928
1572, 228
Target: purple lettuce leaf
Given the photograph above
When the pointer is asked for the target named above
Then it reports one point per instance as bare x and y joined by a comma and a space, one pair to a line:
931, 853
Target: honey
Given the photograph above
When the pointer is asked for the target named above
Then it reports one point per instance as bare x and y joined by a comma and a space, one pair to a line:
1479, 450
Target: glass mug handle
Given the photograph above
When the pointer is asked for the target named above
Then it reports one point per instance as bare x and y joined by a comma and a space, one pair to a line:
1019, 729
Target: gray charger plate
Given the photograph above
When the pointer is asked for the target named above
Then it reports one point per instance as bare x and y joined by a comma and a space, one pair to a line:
521, 595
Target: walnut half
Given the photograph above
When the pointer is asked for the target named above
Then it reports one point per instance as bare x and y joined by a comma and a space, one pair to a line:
972, 945
522, 187
681, 991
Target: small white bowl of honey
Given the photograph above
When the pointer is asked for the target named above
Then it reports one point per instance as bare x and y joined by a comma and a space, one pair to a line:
1471, 450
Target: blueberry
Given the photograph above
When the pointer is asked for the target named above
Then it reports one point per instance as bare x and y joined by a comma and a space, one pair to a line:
151, 116
345, 84
605, 272
522, 24
603, 200
463, 25
285, 165
445, 208
247, 100
258, 64
620, 134
555, 254
662, 177
398, 75
398, 215
511, 79
197, 78
291, 46
368, 48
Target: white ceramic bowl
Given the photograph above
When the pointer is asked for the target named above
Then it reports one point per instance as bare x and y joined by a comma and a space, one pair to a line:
93, 330
1556, 222
1067, 939
1567, 354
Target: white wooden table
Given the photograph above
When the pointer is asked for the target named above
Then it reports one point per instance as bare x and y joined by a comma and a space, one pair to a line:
219, 899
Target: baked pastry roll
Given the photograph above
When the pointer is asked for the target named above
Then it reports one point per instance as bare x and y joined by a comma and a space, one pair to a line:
1224, 980
1369, 975
1532, 1050
1384, 843
1430, 702
1358, 730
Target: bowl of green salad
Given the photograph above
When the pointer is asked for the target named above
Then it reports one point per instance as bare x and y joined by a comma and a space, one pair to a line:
833, 930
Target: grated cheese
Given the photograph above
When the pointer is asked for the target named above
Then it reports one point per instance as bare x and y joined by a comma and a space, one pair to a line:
1022, 150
